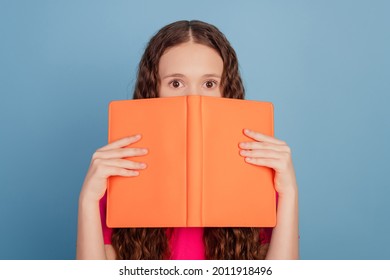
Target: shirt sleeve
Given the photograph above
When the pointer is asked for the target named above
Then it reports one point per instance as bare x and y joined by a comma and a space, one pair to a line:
107, 232
265, 235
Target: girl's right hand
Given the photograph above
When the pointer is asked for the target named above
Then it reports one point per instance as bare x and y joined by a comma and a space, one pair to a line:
107, 161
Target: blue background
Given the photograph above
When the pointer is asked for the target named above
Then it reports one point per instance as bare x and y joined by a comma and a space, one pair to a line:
324, 65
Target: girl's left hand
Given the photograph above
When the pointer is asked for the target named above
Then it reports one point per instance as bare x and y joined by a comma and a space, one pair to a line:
273, 153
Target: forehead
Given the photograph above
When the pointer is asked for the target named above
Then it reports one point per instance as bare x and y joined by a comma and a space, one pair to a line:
190, 59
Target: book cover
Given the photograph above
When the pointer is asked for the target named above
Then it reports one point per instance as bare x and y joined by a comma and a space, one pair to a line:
195, 175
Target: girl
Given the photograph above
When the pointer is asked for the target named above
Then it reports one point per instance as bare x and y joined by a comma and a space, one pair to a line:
183, 58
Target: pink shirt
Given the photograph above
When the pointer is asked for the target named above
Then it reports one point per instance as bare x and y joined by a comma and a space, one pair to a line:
185, 243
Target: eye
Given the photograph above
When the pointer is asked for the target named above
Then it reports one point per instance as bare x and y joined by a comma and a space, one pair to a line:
175, 84
210, 84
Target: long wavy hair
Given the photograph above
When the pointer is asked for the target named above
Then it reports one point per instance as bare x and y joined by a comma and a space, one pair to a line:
220, 243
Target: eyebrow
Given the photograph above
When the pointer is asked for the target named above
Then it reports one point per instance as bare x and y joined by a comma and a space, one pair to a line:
182, 76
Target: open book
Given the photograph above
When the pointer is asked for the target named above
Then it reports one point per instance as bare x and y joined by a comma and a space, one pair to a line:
195, 176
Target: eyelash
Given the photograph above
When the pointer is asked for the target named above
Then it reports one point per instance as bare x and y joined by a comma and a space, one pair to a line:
175, 80
213, 81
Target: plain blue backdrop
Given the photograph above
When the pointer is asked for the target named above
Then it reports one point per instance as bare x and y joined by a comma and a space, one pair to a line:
324, 64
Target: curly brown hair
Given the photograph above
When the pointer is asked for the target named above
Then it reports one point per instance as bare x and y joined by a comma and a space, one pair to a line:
220, 243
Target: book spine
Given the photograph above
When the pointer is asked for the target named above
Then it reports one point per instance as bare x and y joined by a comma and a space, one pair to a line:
194, 161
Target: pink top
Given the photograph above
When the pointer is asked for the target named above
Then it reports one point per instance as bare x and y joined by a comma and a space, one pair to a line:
186, 243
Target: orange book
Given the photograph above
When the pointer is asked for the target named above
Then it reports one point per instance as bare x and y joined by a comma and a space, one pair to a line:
195, 176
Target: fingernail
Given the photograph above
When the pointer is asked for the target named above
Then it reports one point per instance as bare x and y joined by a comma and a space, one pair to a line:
247, 130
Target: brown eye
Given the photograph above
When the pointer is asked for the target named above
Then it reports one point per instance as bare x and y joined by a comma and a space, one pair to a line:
175, 84
210, 84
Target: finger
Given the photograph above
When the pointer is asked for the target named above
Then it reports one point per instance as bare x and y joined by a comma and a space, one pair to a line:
117, 171
266, 162
121, 143
120, 153
262, 154
124, 163
262, 137
265, 146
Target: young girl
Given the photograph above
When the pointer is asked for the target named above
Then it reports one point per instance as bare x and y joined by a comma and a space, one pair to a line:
183, 58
